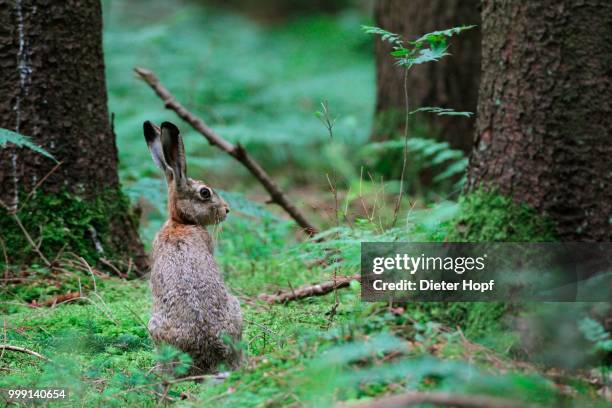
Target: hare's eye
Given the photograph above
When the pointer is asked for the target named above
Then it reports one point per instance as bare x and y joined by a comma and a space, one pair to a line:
205, 193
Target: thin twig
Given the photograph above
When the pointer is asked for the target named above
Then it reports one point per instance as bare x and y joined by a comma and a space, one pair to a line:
398, 204
5, 337
80, 296
26, 234
291, 287
327, 120
138, 318
113, 267
236, 151
6, 260
59, 254
219, 376
23, 350
22, 279
42, 180
163, 397
264, 328
93, 277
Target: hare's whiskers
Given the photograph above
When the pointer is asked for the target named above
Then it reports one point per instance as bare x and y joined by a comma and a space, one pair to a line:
216, 231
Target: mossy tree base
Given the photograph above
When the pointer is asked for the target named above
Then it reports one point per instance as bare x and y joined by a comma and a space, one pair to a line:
487, 216
63, 222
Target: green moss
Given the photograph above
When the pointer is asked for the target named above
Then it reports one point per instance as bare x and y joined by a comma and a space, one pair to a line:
487, 217
491, 217
65, 222
480, 321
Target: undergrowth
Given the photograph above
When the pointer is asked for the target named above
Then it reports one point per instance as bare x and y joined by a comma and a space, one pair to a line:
63, 222
312, 352
298, 353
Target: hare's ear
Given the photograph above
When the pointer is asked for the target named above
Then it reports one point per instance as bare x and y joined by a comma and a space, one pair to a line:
151, 134
174, 152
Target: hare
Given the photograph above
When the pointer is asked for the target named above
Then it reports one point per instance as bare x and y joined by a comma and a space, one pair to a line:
192, 309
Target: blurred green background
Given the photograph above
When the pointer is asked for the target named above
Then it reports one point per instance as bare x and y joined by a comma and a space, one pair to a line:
253, 80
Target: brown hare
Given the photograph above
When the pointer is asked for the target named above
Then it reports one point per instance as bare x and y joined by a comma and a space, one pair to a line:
192, 309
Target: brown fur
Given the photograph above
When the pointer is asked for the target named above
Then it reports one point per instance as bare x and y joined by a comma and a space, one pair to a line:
192, 308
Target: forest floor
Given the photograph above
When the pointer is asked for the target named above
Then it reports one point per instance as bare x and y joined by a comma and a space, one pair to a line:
308, 352
91, 326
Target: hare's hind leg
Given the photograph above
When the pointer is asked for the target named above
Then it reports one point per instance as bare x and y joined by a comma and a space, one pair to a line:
230, 351
234, 357
163, 367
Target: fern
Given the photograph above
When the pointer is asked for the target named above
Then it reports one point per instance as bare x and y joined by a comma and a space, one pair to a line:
425, 153
364, 363
441, 111
594, 332
435, 36
392, 38
8, 136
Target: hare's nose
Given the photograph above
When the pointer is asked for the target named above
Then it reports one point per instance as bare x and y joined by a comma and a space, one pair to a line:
227, 210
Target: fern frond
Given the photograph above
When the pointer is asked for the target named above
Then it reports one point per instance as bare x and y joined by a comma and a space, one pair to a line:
8, 136
441, 111
436, 36
385, 35
424, 153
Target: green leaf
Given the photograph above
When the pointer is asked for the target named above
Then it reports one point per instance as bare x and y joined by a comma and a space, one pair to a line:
429, 47
400, 52
596, 333
455, 168
8, 136
385, 35
424, 55
435, 36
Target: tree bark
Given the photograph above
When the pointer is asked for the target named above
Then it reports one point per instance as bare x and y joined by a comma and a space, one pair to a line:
53, 90
451, 82
544, 114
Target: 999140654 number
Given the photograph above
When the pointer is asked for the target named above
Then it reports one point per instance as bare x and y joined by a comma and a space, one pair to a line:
38, 394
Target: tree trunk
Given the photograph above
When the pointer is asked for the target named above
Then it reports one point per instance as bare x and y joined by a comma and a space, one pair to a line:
543, 129
451, 82
53, 90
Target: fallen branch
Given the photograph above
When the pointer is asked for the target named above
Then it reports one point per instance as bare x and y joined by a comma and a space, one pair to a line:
65, 297
302, 292
23, 350
439, 398
236, 151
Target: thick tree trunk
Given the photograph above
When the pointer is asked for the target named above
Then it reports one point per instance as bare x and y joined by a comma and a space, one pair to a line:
544, 114
452, 82
53, 90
